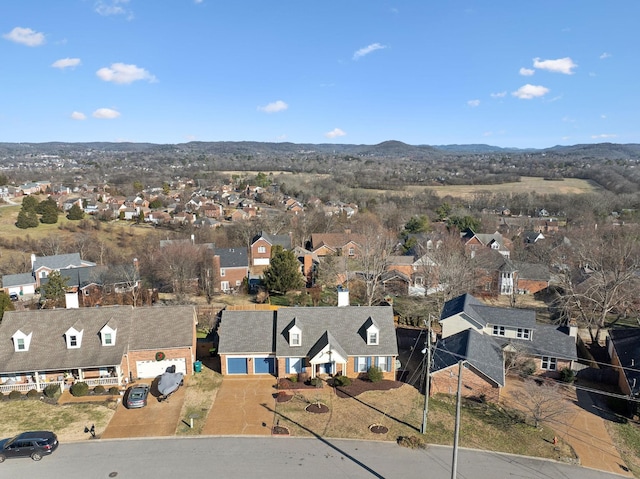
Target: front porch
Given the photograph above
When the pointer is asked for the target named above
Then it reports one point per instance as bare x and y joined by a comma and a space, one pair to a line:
39, 380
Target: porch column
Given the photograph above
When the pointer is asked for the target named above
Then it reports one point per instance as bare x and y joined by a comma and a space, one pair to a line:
36, 376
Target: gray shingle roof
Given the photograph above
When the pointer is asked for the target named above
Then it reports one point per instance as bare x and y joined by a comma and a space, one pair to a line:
20, 279
146, 328
479, 350
245, 332
484, 314
60, 261
626, 343
232, 257
282, 240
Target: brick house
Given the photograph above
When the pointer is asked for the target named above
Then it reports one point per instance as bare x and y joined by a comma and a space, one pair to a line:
340, 244
482, 335
308, 342
261, 245
106, 346
230, 267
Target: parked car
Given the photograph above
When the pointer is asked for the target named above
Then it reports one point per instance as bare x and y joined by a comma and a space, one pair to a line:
169, 382
14, 297
136, 396
33, 444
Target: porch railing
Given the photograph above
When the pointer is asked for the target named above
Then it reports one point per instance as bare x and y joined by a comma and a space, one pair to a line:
26, 387
110, 381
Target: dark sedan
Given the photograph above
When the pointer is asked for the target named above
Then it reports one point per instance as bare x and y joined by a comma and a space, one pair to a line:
136, 396
33, 444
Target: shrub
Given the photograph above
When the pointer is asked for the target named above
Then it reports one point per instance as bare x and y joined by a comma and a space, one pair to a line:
374, 374
79, 389
341, 381
567, 375
412, 442
114, 390
52, 391
528, 368
99, 389
15, 394
317, 382
33, 394
293, 379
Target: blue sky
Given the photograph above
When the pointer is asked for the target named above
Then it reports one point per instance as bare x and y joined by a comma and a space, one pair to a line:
502, 72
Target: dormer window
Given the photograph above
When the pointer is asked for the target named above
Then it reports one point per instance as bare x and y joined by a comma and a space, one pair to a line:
74, 338
108, 335
295, 336
498, 331
373, 336
21, 341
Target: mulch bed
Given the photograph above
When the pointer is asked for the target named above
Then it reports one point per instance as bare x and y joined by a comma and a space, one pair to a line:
283, 397
317, 408
378, 429
286, 384
280, 431
359, 386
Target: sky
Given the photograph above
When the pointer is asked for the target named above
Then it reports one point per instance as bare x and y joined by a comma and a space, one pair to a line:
508, 73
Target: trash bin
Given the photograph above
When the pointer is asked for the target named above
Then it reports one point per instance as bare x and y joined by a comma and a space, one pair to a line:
197, 366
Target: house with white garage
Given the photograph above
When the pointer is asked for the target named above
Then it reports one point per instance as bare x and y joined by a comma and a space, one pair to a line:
344, 340
107, 346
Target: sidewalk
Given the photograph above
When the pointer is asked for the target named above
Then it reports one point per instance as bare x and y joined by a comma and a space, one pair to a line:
583, 429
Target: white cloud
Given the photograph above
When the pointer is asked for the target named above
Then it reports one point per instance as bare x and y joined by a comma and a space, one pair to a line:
123, 74
500, 94
605, 55
526, 72
335, 133
113, 7
527, 92
368, 49
66, 63
603, 136
76, 115
274, 107
561, 65
106, 114
473, 103
26, 36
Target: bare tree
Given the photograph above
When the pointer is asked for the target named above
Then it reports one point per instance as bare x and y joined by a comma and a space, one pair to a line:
541, 400
599, 276
179, 264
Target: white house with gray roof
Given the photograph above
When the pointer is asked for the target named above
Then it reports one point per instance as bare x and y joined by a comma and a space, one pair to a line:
345, 340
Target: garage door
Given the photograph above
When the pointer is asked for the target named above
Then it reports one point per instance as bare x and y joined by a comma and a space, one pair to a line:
237, 366
151, 369
264, 365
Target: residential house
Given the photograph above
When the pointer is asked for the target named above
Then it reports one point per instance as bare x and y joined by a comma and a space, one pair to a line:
482, 335
261, 245
230, 268
309, 263
106, 346
340, 244
499, 275
475, 242
43, 266
624, 350
310, 342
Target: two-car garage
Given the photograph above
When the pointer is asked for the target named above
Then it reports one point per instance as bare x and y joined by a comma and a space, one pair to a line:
251, 365
151, 369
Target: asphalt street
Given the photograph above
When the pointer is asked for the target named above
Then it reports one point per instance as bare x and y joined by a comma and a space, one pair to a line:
275, 458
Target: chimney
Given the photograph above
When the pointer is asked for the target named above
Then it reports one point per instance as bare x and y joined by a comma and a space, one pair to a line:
33, 260
193, 239
573, 329
71, 300
343, 296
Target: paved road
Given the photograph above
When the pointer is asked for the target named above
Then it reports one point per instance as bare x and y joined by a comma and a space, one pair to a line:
275, 458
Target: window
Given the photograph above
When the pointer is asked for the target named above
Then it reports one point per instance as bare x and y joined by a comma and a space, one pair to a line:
295, 339
222, 272
238, 282
262, 249
498, 330
383, 362
361, 364
524, 333
21, 345
224, 285
352, 251
549, 363
108, 340
373, 337
73, 341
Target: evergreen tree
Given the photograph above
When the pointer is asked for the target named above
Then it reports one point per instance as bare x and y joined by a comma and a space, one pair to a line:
5, 304
283, 274
54, 289
75, 213
49, 214
29, 203
27, 219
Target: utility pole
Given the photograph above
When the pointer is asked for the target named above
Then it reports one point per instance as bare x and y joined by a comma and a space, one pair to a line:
456, 434
427, 343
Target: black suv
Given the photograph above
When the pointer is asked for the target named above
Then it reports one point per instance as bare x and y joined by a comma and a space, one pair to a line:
34, 444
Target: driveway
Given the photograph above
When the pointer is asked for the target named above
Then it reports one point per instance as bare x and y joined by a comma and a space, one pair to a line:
239, 408
153, 420
582, 427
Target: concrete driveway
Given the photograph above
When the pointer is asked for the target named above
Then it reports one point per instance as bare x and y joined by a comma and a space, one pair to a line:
239, 408
155, 419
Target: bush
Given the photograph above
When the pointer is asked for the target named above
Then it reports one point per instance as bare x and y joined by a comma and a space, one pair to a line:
15, 394
52, 391
114, 390
341, 381
412, 442
528, 368
99, 389
293, 379
79, 389
33, 394
567, 375
316, 382
374, 374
